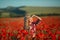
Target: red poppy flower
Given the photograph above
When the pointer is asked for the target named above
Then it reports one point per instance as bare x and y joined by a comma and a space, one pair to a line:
22, 38
3, 34
53, 36
40, 35
20, 34
10, 34
24, 32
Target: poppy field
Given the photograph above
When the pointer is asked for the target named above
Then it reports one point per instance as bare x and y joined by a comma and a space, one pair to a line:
13, 29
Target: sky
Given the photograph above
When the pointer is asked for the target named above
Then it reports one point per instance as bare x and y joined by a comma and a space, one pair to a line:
16, 3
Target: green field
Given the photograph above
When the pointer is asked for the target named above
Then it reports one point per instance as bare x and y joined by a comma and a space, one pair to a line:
21, 11
39, 10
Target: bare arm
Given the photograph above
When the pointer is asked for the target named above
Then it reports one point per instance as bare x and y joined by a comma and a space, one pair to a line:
37, 17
